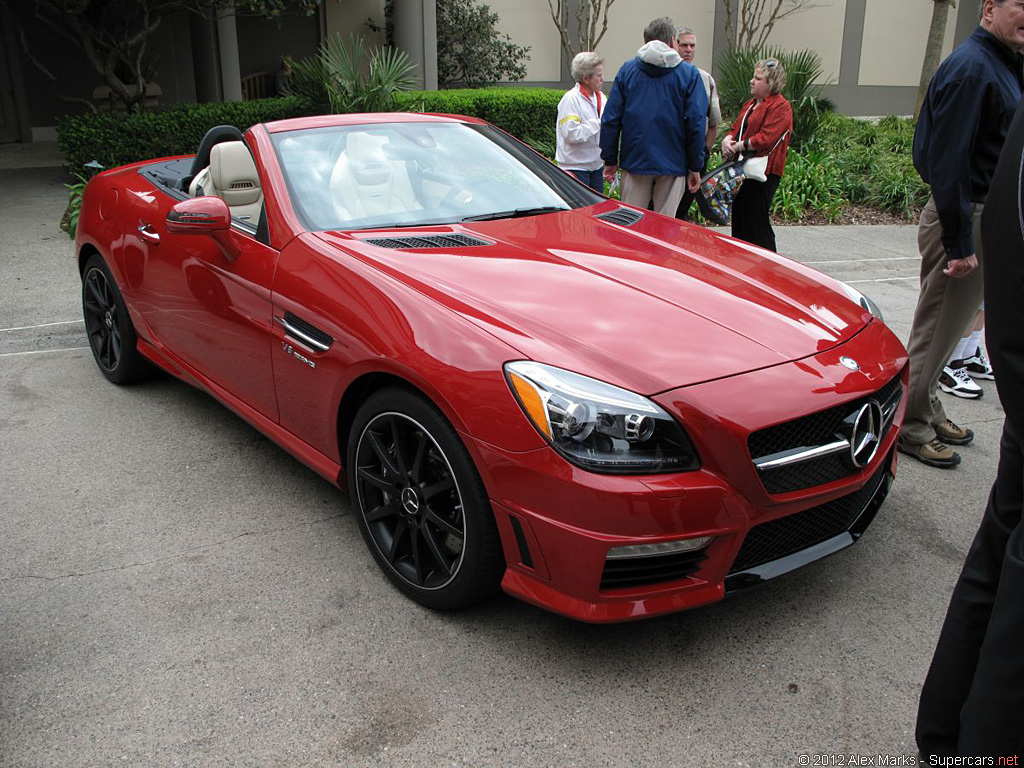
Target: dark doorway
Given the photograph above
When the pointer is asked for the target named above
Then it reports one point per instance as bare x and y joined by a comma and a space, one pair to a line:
13, 116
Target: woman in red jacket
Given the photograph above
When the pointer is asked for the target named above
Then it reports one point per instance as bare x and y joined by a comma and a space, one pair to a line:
763, 128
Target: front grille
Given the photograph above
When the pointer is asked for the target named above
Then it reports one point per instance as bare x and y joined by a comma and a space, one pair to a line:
625, 572
787, 535
625, 217
816, 429
427, 241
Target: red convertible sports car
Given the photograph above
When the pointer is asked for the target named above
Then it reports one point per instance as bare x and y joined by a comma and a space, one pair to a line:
609, 413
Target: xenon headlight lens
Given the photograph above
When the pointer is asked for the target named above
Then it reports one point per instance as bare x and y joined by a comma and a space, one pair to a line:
597, 426
864, 301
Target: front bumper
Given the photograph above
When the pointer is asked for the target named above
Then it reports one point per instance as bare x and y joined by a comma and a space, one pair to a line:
558, 522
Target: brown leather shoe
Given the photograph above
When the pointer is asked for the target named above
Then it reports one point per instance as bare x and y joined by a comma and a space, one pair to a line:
953, 434
934, 453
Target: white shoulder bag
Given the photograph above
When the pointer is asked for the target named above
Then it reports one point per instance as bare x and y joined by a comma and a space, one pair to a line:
756, 168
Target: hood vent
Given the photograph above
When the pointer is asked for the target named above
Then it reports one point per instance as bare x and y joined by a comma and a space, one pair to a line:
427, 241
623, 216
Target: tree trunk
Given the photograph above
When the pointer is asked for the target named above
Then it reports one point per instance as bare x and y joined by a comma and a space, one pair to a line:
933, 50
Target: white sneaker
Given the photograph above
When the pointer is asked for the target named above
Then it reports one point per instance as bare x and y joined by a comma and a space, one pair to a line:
977, 366
956, 381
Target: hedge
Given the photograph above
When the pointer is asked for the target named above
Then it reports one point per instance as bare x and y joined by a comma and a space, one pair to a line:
112, 140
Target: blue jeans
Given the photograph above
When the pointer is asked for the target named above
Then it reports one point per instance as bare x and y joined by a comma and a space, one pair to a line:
593, 179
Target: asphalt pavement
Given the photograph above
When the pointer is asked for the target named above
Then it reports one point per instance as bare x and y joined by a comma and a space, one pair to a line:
176, 590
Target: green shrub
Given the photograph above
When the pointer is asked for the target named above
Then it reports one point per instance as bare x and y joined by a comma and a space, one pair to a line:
471, 50
344, 78
893, 184
69, 223
529, 114
810, 183
112, 140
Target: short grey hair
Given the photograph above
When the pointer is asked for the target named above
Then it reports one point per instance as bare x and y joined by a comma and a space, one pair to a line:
662, 29
584, 64
684, 31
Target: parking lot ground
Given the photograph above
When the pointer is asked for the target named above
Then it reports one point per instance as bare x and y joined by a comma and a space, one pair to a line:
176, 590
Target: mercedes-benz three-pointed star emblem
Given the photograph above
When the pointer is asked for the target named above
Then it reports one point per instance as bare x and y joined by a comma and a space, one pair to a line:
866, 435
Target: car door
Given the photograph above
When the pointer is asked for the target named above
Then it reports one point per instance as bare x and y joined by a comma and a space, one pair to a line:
209, 311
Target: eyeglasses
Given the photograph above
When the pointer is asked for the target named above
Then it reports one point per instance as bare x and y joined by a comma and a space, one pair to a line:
771, 64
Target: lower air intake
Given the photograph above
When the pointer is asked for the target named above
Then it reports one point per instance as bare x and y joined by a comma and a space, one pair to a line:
623, 573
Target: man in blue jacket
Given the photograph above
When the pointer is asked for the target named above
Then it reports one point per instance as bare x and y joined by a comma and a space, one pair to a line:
658, 109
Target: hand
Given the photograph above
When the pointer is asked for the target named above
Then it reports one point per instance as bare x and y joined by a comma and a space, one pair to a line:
693, 182
729, 147
961, 267
609, 173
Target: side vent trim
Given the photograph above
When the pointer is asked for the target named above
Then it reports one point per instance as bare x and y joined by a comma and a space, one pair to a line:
305, 333
625, 217
428, 241
524, 549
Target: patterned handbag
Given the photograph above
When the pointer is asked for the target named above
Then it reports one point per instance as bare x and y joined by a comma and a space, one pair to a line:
718, 190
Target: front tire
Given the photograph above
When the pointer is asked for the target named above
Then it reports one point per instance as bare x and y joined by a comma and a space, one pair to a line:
109, 327
420, 503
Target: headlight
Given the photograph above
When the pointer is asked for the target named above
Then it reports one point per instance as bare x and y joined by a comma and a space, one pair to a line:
597, 426
859, 298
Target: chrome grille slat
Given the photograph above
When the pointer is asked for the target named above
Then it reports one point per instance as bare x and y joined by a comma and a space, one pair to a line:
808, 451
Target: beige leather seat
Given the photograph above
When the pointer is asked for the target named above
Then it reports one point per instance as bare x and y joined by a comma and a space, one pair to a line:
231, 176
366, 183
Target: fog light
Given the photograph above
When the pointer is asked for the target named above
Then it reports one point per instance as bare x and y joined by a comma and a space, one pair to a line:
662, 548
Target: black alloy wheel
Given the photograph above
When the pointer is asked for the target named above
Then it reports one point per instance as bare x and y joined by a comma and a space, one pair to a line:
421, 505
108, 326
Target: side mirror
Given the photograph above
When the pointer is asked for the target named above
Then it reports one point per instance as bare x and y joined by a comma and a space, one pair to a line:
204, 216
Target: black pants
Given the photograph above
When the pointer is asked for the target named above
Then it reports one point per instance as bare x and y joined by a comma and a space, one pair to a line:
751, 209
683, 211
972, 702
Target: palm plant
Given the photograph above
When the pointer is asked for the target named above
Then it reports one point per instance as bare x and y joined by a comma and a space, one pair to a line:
804, 85
343, 78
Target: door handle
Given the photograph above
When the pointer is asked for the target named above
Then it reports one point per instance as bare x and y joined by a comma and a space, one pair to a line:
147, 233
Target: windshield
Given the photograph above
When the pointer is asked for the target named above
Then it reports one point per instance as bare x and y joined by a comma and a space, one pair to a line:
409, 174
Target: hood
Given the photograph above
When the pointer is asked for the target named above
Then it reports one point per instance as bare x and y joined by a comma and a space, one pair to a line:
657, 59
652, 307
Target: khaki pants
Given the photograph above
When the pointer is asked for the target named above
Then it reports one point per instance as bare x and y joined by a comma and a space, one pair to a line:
945, 307
667, 191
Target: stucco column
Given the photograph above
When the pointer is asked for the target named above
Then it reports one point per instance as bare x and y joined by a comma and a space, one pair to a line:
227, 42
416, 34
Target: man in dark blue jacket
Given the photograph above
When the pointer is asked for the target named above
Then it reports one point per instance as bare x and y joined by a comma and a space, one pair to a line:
658, 108
963, 124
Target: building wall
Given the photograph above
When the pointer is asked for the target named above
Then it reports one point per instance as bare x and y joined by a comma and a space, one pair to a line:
627, 20
528, 22
350, 17
895, 35
819, 27
871, 50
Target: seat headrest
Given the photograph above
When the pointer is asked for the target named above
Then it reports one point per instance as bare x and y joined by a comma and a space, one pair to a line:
369, 163
233, 173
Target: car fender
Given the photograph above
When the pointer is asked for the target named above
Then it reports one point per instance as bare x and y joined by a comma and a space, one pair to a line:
379, 325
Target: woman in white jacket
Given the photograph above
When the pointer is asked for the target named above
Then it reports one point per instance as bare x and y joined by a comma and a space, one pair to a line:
579, 122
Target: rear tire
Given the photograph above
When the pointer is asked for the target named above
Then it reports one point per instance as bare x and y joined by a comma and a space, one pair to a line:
420, 503
109, 327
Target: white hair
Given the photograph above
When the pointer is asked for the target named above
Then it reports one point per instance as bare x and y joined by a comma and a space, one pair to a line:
584, 64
